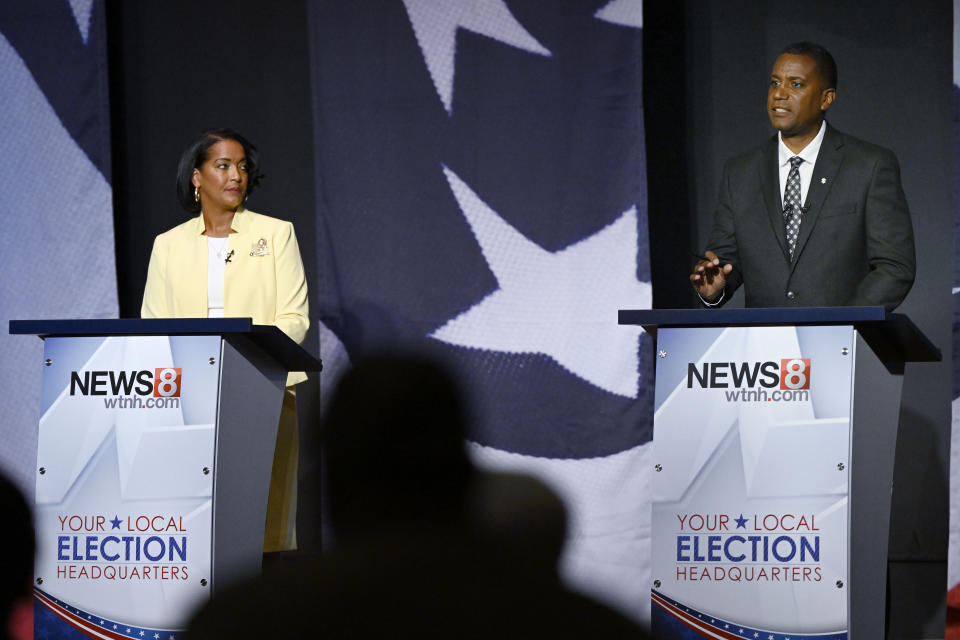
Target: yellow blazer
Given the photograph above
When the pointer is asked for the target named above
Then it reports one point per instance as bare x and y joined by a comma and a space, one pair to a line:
263, 281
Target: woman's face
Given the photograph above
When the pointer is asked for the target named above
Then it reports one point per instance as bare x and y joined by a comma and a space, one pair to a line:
222, 178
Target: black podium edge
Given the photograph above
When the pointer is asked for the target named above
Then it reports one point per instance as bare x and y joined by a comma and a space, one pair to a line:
891, 334
266, 337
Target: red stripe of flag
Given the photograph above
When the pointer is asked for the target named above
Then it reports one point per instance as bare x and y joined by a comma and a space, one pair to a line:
692, 622
77, 622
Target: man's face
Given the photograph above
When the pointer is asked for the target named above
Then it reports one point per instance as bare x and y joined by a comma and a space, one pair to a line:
797, 97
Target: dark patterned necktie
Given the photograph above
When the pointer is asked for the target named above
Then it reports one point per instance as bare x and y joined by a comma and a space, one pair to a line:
792, 206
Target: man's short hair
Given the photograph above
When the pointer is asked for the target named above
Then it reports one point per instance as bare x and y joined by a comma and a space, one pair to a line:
820, 56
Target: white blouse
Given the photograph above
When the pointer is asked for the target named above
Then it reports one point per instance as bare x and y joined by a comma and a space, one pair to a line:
216, 268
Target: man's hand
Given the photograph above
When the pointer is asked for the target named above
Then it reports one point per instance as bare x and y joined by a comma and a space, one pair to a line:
709, 278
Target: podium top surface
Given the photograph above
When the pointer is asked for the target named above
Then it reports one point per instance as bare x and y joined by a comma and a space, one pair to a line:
762, 317
874, 323
269, 338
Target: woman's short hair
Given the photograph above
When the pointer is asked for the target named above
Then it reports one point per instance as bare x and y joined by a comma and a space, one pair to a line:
196, 154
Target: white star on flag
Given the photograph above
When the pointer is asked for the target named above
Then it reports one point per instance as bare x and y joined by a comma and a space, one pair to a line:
628, 13
81, 13
435, 25
562, 304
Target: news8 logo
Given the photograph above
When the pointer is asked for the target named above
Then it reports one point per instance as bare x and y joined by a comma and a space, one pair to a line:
795, 373
166, 382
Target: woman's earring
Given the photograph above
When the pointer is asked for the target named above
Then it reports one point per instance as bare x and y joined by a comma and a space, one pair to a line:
196, 194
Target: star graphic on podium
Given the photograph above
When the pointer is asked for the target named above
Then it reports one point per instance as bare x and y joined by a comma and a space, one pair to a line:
741, 522
115, 522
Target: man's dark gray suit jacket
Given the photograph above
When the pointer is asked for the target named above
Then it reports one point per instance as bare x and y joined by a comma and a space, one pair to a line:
856, 240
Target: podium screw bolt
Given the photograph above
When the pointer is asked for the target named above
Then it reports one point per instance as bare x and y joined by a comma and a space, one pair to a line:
39, 580
662, 353
213, 361
656, 583
844, 351
840, 466
203, 582
206, 471
658, 467
48, 362
839, 584
42, 470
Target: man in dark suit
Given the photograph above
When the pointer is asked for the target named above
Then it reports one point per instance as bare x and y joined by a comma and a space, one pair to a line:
813, 217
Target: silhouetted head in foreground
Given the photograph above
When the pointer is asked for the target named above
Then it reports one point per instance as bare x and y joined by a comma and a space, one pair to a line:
394, 447
17, 540
426, 546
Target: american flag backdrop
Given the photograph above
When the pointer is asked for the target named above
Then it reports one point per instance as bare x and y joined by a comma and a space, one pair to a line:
56, 203
482, 196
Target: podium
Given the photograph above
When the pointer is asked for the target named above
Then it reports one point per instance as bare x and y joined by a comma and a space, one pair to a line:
154, 454
773, 454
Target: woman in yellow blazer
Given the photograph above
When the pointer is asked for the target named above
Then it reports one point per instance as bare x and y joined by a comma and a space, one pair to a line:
231, 262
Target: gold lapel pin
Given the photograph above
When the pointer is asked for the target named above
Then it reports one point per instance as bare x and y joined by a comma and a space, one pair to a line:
259, 248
